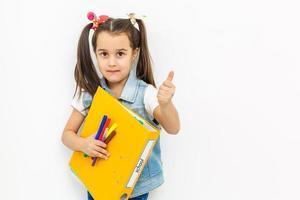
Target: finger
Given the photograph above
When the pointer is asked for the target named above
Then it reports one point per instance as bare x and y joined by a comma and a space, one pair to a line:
162, 99
165, 93
93, 135
164, 87
164, 96
100, 155
100, 143
170, 76
168, 84
101, 150
93, 153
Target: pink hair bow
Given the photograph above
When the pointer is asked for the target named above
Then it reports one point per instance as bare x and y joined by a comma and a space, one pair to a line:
96, 21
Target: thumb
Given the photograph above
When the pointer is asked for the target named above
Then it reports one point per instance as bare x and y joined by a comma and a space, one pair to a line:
170, 76
93, 135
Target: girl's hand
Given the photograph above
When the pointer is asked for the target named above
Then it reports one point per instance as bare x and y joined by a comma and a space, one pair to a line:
166, 91
95, 148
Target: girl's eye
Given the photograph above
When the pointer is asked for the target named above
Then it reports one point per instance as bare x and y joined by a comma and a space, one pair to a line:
103, 54
120, 53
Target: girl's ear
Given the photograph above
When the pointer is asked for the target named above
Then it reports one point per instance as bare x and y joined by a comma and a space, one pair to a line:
135, 53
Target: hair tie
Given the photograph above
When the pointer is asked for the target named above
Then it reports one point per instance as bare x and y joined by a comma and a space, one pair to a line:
133, 17
96, 22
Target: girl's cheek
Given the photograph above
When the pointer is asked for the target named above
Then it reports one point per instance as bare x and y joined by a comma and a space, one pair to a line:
102, 63
124, 62
102, 66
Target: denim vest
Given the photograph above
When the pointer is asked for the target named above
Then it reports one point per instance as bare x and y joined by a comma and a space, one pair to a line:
133, 98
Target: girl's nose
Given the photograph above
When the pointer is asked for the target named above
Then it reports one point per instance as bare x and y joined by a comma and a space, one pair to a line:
111, 62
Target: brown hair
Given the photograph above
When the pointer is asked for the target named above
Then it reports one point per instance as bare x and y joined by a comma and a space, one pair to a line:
85, 74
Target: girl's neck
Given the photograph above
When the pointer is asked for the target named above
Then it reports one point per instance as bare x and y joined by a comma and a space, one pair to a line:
117, 88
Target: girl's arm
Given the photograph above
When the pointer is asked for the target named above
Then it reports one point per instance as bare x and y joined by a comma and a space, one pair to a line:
90, 146
168, 117
69, 136
166, 113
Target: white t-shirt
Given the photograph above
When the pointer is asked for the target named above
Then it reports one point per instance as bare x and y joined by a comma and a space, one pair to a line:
150, 101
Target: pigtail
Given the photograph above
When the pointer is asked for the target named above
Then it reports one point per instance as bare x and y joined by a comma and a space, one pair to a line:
85, 74
144, 66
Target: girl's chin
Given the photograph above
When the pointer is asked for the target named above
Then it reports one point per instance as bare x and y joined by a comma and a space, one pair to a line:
114, 79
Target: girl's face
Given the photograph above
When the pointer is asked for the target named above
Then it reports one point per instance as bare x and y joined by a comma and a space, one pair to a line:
114, 56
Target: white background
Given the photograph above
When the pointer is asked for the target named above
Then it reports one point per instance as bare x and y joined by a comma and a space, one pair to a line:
237, 74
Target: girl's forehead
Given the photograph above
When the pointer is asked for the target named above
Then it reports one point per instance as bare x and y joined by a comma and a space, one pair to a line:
108, 41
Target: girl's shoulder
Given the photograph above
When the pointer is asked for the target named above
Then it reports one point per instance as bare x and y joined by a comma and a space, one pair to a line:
150, 98
143, 83
81, 101
148, 89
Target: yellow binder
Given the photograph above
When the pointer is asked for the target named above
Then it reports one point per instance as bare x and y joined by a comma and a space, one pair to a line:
115, 178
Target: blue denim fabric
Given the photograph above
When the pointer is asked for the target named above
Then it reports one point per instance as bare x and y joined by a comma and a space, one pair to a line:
141, 197
133, 97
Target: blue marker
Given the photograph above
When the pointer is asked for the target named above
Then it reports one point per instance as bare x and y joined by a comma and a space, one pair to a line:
101, 127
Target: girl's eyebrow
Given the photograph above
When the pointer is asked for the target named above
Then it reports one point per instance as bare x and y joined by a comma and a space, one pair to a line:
116, 50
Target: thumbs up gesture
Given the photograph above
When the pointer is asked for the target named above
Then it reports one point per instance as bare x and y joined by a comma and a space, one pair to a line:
166, 91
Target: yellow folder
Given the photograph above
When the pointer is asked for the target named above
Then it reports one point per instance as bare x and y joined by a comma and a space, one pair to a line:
130, 148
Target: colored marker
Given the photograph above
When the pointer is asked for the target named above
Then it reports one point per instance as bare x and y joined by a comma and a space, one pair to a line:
107, 140
101, 137
111, 130
99, 130
101, 127
103, 130
105, 133
95, 158
108, 136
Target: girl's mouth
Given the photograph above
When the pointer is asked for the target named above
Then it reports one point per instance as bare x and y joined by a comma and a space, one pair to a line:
113, 71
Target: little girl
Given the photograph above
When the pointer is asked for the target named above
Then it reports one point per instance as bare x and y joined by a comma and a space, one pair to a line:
116, 44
